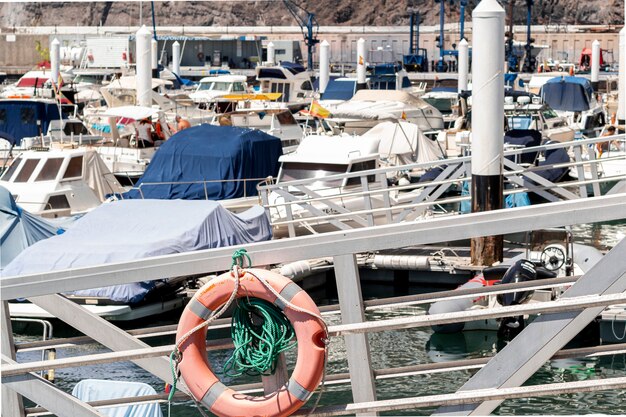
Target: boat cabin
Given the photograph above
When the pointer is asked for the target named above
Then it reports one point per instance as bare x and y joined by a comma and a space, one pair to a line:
291, 80
211, 88
59, 182
530, 113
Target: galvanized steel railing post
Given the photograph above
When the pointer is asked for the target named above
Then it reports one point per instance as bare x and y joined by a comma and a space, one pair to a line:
12, 404
357, 345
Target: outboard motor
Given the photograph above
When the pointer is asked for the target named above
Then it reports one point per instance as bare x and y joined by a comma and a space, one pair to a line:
521, 271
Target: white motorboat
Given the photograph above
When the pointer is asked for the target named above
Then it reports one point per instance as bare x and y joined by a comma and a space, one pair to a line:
59, 182
211, 88
369, 107
531, 113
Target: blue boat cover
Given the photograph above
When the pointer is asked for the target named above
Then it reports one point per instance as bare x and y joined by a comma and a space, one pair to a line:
567, 93
19, 229
209, 153
126, 230
98, 389
527, 138
18, 119
339, 89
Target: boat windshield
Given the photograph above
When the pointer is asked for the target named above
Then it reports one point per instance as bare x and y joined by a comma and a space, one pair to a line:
89, 79
292, 171
204, 86
12, 168
523, 122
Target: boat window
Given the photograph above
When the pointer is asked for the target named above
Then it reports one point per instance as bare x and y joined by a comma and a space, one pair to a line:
519, 122
12, 168
362, 166
221, 86
204, 86
27, 170
238, 87
76, 128
74, 168
299, 171
27, 115
50, 169
3, 116
88, 78
283, 89
306, 86
286, 118
56, 202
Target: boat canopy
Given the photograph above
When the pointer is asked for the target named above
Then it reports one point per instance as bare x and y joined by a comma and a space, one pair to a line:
568, 93
404, 142
210, 162
339, 89
19, 118
19, 229
127, 230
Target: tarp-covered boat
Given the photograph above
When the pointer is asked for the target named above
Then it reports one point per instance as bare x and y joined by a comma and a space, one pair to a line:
135, 229
210, 162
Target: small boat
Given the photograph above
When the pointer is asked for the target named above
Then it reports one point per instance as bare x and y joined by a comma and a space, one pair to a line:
529, 112
210, 89
134, 229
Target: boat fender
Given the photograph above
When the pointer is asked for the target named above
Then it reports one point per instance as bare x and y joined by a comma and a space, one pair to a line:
301, 311
296, 270
455, 305
402, 262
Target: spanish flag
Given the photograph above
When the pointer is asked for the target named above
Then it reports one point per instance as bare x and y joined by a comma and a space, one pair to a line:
318, 111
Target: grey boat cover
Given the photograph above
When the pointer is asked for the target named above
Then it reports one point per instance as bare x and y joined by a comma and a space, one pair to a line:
19, 229
134, 229
99, 389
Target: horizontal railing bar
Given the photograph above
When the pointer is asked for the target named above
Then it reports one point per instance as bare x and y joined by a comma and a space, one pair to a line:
467, 397
562, 305
569, 304
333, 308
448, 228
380, 374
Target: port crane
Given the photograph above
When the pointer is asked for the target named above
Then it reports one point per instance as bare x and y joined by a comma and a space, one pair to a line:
441, 65
308, 25
417, 58
530, 62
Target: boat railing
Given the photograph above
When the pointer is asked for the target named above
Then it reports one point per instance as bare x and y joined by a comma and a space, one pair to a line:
371, 199
205, 184
542, 339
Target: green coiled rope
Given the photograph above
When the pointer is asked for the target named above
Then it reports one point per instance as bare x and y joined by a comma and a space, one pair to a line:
260, 332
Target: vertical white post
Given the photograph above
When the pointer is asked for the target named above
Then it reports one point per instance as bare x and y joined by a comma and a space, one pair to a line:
463, 65
55, 60
360, 64
324, 65
154, 55
271, 53
487, 122
176, 58
595, 63
621, 104
144, 72
11, 402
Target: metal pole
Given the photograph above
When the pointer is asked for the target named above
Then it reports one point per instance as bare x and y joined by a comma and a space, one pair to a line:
487, 123
311, 41
595, 64
528, 59
360, 64
462, 18
440, 66
463, 65
271, 53
176, 58
324, 65
621, 105
144, 76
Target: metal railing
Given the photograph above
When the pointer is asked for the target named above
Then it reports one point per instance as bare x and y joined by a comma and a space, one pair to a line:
305, 205
205, 184
342, 247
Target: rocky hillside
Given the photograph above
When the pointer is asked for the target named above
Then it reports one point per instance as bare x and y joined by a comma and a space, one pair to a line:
274, 12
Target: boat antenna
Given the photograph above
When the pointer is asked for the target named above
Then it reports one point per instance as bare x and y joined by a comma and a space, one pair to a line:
153, 22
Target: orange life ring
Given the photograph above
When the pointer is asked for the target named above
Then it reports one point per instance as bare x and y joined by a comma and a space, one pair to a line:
311, 334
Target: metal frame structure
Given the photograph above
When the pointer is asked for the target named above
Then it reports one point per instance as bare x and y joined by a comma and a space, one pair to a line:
306, 207
342, 246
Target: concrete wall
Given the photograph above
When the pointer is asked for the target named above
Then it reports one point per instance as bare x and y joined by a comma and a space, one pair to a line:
19, 51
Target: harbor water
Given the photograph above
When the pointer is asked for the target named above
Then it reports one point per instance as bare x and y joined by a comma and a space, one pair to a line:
402, 348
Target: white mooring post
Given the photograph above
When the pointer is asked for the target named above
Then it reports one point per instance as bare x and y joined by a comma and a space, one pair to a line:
144, 71
324, 65
55, 60
176, 58
487, 122
621, 105
595, 64
463, 65
360, 64
271, 53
